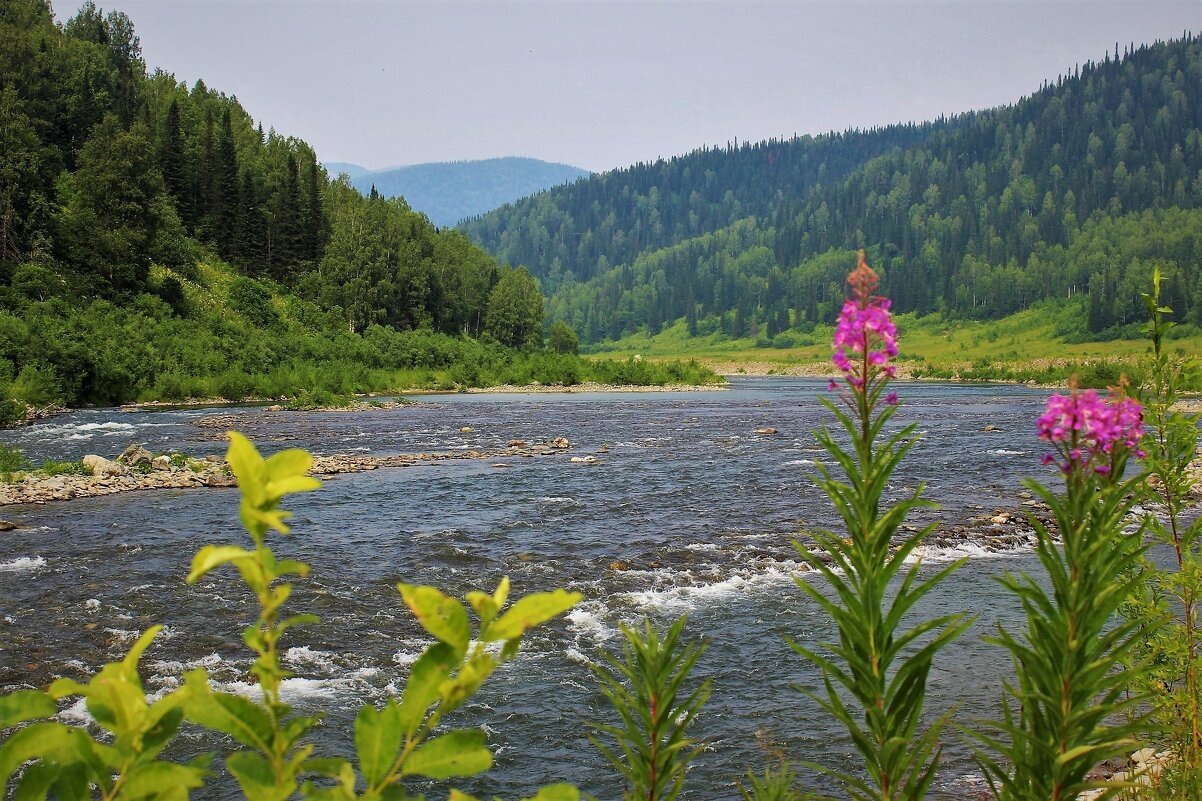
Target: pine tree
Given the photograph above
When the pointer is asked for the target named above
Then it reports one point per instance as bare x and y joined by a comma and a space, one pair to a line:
285, 242
172, 162
224, 200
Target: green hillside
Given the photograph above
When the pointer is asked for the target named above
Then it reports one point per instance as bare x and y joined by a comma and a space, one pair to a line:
157, 243
1080, 188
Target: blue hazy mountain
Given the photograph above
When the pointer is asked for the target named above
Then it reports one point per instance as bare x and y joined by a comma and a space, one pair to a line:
336, 168
448, 192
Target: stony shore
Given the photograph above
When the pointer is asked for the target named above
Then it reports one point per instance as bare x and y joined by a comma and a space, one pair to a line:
593, 387
144, 471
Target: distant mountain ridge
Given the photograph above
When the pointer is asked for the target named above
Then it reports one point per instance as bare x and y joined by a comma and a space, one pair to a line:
450, 191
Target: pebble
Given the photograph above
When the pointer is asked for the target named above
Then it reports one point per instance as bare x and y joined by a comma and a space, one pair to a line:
213, 472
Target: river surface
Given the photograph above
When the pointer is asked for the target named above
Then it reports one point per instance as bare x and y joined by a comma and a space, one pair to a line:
687, 511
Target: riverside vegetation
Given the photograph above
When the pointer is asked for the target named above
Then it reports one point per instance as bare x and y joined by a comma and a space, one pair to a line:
1103, 642
157, 244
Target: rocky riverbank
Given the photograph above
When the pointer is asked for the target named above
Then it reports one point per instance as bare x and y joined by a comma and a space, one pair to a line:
137, 469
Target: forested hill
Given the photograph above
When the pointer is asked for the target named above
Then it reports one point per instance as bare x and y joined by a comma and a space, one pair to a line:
155, 241
1082, 187
448, 192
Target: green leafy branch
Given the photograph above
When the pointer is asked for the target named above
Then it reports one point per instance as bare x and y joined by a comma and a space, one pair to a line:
881, 665
645, 688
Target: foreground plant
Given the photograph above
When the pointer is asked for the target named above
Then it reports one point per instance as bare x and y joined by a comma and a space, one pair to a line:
880, 666
1062, 714
1166, 603
645, 688
394, 745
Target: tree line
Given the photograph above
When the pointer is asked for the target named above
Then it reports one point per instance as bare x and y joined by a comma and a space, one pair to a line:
123, 187
975, 216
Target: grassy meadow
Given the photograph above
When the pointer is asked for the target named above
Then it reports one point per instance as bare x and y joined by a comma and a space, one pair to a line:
1046, 344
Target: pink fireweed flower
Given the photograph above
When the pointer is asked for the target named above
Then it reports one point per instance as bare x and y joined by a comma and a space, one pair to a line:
1086, 429
865, 336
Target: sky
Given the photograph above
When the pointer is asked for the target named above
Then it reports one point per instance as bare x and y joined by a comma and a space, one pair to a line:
601, 85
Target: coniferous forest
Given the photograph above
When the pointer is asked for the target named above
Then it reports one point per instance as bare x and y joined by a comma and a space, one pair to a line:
1075, 193
157, 242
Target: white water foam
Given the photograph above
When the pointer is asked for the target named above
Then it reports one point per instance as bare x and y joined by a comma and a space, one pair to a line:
684, 597
24, 564
81, 430
1005, 452
306, 657
586, 621
971, 550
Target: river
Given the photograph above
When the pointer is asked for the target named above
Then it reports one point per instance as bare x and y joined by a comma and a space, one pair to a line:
686, 511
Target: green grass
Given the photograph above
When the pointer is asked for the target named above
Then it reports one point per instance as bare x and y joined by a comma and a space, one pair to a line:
1039, 344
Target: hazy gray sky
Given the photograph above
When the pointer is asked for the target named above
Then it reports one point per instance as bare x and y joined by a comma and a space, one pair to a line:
606, 84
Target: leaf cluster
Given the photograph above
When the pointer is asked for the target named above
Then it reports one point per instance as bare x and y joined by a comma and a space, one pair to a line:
879, 664
645, 687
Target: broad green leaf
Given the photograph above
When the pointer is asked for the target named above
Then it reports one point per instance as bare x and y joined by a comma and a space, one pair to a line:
288, 463
36, 781
483, 605
61, 688
529, 612
114, 697
442, 616
487, 606
213, 556
163, 726
427, 674
378, 737
256, 778
556, 792
473, 674
455, 795
286, 486
247, 466
24, 705
459, 753
245, 721
333, 767
72, 783
31, 742
153, 778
